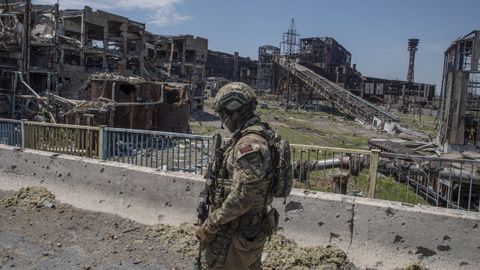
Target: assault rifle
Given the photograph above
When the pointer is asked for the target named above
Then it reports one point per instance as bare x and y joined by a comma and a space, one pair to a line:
210, 185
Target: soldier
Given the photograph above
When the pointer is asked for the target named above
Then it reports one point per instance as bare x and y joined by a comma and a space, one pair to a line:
237, 227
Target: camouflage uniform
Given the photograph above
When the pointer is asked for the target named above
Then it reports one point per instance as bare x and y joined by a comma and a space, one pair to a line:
240, 200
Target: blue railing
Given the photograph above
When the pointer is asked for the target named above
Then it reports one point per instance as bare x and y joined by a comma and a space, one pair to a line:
162, 150
450, 183
11, 132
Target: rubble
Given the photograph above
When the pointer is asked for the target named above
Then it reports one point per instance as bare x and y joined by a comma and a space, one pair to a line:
30, 197
59, 52
282, 253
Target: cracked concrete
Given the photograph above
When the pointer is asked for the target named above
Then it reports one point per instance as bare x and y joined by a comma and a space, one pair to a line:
370, 231
351, 223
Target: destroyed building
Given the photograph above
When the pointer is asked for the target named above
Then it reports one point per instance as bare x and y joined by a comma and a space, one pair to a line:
46, 52
392, 91
327, 58
132, 102
184, 58
213, 84
98, 41
330, 59
459, 113
233, 67
265, 70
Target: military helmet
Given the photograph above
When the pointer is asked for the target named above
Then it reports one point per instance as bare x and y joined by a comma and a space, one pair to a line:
233, 96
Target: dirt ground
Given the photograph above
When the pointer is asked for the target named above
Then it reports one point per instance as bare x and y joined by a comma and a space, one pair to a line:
36, 232
301, 127
68, 238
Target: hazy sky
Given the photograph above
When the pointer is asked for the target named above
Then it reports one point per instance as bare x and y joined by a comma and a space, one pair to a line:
374, 31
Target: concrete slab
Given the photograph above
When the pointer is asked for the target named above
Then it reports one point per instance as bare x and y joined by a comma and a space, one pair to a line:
374, 233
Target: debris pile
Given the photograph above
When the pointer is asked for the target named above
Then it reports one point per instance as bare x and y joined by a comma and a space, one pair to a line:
283, 253
280, 252
179, 239
30, 197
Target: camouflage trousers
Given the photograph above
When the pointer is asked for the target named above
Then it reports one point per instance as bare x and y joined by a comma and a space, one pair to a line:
239, 249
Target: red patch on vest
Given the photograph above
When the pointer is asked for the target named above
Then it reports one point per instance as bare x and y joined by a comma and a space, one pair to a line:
246, 149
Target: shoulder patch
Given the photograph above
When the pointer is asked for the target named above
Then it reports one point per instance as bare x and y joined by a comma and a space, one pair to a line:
246, 149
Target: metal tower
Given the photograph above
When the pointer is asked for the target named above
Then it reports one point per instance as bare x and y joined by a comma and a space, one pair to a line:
412, 48
290, 40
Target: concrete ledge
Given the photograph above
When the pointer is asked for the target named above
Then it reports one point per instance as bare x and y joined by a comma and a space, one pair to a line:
374, 233
141, 194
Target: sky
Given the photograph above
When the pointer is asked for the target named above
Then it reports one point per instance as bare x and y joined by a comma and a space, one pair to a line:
376, 32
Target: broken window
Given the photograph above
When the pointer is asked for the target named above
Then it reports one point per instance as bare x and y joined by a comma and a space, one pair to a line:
127, 88
112, 63
162, 54
94, 62
42, 57
134, 65
71, 58
190, 56
133, 46
115, 47
172, 96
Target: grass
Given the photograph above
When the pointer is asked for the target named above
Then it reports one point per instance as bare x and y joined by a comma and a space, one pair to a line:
387, 187
314, 128
427, 125
200, 129
295, 136
302, 115
352, 141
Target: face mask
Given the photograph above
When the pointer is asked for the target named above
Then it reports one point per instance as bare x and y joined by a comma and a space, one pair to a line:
228, 121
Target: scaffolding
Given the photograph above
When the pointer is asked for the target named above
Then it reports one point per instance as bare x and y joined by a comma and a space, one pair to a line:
265, 70
459, 114
303, 84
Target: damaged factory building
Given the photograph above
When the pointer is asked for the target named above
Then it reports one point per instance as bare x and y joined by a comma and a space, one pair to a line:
459, 113
53, 63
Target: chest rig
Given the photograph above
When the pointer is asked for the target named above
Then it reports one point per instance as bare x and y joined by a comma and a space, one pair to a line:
223, 184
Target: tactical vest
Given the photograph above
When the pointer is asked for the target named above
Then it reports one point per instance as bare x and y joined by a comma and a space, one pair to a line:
224, 180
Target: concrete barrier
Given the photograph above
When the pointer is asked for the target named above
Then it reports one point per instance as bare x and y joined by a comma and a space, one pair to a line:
378, 234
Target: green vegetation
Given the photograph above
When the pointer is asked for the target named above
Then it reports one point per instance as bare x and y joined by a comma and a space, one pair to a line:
427, 125
201, 129
302, 115
314, 128
295, 136
387, 187
351, 141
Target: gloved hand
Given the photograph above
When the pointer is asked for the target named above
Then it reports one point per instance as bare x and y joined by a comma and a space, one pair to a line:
203, 236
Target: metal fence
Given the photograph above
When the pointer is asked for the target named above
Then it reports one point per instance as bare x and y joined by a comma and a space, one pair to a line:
74, 140
442, 182
11, 132
162, 150
337, 170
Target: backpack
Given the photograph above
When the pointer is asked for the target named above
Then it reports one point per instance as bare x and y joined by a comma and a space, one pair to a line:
281, 176
283, 172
